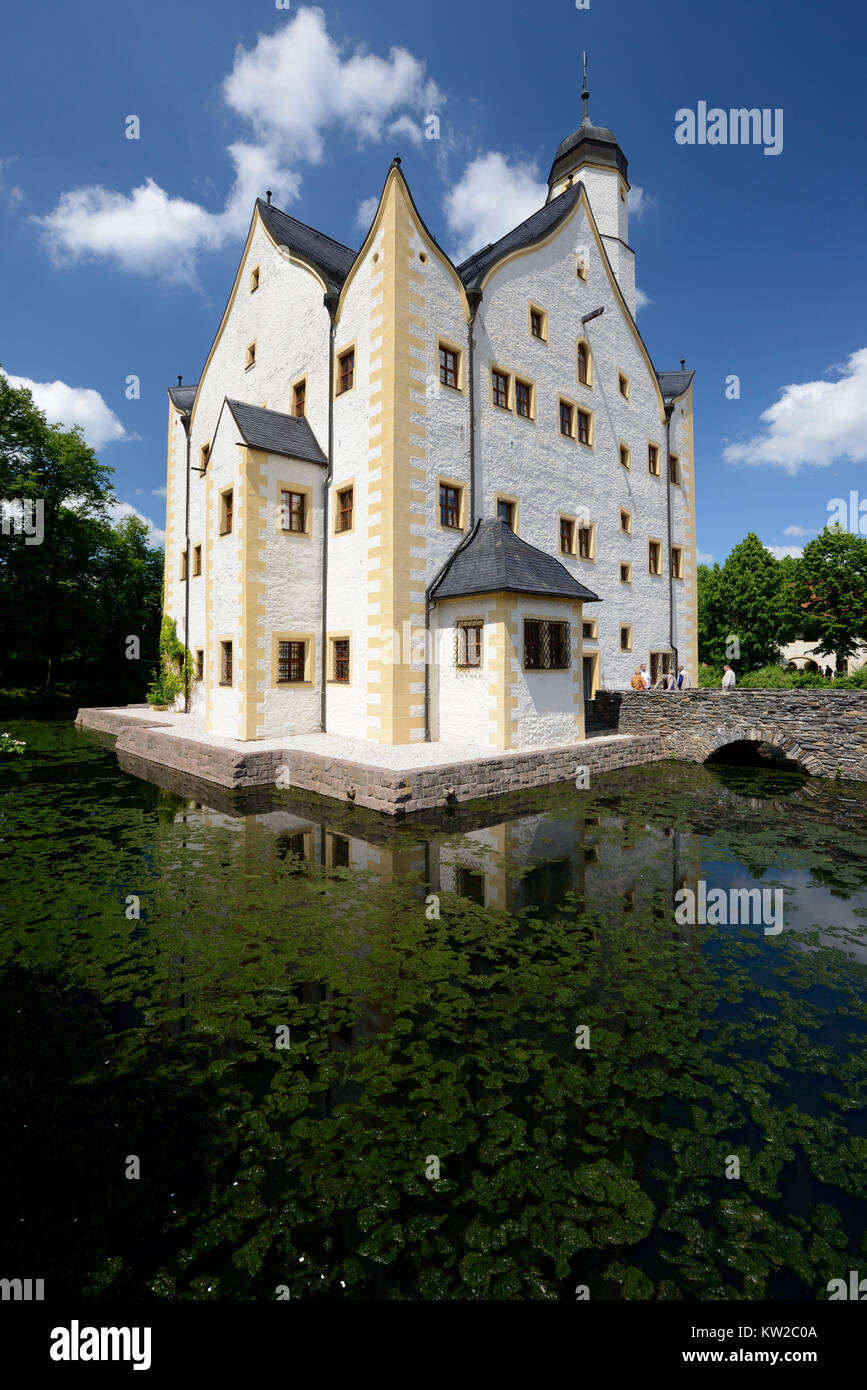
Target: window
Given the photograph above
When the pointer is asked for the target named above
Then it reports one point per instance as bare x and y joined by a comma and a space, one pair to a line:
250, 356
546, 645
538, 323
450, 506
506, 512
468, 644
625, 456
341, 660
524, 399
204, 455
346, 371
654, 557
625, 574
580, 266
586, 540
567, 536
344, 509
469, 884
254, 279
626, 521
676, 562
337, 851
567, 417
183, 566
292, 511
291, 659
583, 364
626, 639
583, 427
227, 511
623, 385
653, 459
660, 665
674, 469
225, 663
500, 389
200, 664
299, 398
589, 629
449, 367
197, 560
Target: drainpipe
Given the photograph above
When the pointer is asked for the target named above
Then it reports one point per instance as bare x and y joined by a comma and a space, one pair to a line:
330, 300
474, 298
187, 672
669, 410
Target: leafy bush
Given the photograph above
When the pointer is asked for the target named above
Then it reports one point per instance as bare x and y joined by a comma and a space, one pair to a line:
710, 677
857, 680
175, 669
767, 678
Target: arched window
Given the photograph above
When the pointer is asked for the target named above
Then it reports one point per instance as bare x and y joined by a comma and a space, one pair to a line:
584, 364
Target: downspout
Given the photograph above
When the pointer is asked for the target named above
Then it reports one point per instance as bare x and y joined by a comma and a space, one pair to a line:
474, 298
187, 672
330, 300
669, 410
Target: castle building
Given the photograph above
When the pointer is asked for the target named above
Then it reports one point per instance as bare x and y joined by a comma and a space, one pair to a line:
415, 500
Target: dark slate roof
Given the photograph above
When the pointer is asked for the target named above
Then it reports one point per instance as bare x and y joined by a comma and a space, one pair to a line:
493, 558
183, 397
594, 143
536, 228
275, 432
331, 257
673, 384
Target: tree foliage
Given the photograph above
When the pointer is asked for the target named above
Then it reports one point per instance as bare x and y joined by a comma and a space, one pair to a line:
832, 589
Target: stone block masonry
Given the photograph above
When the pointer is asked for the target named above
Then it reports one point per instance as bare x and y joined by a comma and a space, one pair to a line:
825, 731
393, 791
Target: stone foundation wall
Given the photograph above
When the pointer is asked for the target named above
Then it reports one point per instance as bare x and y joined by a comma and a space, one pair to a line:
823, 730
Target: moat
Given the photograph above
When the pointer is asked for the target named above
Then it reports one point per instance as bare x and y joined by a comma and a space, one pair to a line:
466, 1057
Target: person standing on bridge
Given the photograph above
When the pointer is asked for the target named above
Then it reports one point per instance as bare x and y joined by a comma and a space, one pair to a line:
684, 679
637, 681
728, 680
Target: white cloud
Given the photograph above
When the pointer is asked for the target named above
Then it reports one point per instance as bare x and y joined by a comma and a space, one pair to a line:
119, 511
641, 299
639, 201
156, 491
491, 197
814, 422
704, 558
798, 531
366, 213
75, 405
12, 192
405, 125
290, 87
796, 551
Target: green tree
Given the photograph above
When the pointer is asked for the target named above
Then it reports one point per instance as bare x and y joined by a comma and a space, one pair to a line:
833, 592
712, 627
741, 600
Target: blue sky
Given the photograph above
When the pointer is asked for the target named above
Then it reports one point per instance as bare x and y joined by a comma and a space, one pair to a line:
119, 254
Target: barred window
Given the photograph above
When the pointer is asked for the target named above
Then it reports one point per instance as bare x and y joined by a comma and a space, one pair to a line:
341, 660
290, 662
546, 646
225, 663
468, 644
448, 367
500, 389
292, 514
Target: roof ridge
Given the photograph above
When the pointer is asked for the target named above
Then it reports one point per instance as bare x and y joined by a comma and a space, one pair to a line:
492, 245
308, 227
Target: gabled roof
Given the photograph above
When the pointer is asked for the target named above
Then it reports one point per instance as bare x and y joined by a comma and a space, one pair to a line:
331, 258
183, 397
494, 559
673, 384
276, 433
473, 270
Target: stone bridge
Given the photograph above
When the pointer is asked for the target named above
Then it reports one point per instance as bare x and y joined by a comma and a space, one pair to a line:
824, 731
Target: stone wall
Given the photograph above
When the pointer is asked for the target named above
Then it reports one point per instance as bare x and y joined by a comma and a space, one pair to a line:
823, 730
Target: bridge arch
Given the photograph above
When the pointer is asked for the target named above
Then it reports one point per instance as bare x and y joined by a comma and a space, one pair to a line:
721, 738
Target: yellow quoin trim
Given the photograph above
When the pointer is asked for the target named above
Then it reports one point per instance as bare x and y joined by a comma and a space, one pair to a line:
688, 652
252, 527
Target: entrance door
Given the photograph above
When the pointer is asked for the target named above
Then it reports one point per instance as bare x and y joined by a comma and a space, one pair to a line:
588, 663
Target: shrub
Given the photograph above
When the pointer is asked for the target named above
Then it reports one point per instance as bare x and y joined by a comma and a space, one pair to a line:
175, 669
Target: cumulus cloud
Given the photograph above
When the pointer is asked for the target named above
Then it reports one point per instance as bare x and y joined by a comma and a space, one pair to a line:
366, 213
119, 511
10, 191
798, 531
704, 558
290, 88
75, 405
813, 422
639, 201
641, 299
158, 492
491, 197
406, 126
780, 551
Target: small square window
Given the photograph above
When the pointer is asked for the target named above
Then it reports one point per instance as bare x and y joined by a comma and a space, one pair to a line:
197, 560
546, 645
346, 371
653, 459
293, 511
654, 557
449, 367
626, 639
291, 658
225, 663
506, 512
254, 279
183, 566
583, 427
250, 357
344, 509
227, 512
341, 660
468, 650
450, 506
583, 365
626, 521
625, 574
567, 418
500, 389
623, 385
585, 542
674, 469
538, 323
580, 267
524, 399
204, 456
588, 630
625, 458
676, 562
200, 664
567, 536
299, 398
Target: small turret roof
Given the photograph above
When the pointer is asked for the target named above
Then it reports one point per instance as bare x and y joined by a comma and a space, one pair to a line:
593, 144
275, 432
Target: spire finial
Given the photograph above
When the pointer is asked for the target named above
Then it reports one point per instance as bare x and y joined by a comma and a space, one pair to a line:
268, 195
585, 95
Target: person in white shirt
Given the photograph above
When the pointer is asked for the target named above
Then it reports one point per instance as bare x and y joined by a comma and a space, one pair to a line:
645, 675
728, 680
684, 679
